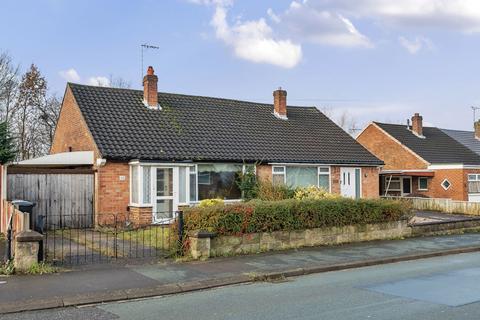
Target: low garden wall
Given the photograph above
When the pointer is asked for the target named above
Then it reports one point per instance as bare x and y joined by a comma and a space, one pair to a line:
276, 225
203, 246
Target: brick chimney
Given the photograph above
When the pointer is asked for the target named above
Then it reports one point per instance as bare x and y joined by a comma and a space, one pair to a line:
476, 125
280, 103
417, 125
150, 93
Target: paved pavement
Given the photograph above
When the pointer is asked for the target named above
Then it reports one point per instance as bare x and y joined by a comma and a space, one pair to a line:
116, 282
440, 288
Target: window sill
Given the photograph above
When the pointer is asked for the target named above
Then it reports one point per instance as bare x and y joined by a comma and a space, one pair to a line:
137, 205
422, 189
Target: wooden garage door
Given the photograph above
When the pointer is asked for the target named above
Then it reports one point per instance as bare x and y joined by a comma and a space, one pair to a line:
65, 199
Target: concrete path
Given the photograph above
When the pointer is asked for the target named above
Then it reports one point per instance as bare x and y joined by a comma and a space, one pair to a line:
111, 282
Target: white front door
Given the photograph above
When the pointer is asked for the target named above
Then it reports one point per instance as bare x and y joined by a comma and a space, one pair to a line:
350, 182
165, 190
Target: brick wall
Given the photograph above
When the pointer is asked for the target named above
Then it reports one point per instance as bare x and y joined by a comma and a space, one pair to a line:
141, 216
71, 133
113, 194
395, 156
370, 182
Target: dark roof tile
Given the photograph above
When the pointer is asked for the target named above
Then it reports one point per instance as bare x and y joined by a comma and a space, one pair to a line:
437, 147
211, 129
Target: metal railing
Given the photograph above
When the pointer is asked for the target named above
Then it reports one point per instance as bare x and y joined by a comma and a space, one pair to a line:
111, 238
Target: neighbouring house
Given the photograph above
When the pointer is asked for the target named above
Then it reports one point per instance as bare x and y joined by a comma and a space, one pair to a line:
157, 151
424, 161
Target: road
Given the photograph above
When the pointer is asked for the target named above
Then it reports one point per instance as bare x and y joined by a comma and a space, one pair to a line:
438, 288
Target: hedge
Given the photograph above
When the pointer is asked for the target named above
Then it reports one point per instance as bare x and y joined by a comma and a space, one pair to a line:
291, 214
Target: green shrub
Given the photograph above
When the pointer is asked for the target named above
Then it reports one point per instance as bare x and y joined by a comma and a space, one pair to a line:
292, 214
314, 193
210, 203
268, 191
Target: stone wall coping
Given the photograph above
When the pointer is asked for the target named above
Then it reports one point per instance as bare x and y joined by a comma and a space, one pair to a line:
203, 234
28, 236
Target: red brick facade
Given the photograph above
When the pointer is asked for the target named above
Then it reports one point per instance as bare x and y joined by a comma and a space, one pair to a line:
71, 133
398, 157
394, 154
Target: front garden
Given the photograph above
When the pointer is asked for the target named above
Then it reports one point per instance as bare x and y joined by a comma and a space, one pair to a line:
280, 218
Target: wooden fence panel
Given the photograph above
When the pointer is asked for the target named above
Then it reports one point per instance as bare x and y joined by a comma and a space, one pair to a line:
444, 205
66, 199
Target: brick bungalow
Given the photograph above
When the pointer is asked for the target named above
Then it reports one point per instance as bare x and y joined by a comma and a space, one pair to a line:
422, 161
157, 151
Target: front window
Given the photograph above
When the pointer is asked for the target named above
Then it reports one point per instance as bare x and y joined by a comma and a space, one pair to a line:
392, 183
134, 182
474, 183
422, 184
218, 181
324, 178
278, 175
302, 176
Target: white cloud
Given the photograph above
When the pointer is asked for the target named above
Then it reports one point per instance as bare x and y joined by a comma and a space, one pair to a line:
71, 75
273, 16
98, 81
254, 41
457, 15
416, 44
304, 22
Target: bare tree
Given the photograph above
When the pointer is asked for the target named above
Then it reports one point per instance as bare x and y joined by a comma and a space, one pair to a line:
344, 120
31, 96
119, 82
9, 82
49, 112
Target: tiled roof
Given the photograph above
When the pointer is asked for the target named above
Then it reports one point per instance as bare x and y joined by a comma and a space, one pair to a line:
211, 129
467, 138
436, 147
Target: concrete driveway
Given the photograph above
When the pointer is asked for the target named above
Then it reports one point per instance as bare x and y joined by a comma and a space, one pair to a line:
432, 217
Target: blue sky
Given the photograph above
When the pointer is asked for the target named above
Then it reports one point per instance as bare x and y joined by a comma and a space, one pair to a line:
376, 59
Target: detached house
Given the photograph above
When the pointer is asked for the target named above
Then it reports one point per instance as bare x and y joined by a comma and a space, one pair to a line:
157, 151
425, 161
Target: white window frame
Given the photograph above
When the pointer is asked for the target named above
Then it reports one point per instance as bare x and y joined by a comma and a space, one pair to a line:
139, 187
450, 184
387, 178
319, 173
420, 188
284, 173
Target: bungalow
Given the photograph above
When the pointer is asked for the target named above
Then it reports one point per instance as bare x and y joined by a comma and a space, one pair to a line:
424, 161
157, 151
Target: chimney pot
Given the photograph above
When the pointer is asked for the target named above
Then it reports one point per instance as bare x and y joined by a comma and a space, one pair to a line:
417, 124
280, 103
150, 90
477, 129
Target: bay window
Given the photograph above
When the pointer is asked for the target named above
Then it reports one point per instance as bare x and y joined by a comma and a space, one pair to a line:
218, 181
140, 185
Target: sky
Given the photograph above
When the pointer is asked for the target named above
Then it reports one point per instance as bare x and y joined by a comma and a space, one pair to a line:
377, 60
